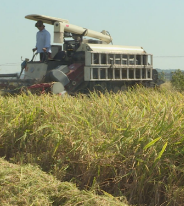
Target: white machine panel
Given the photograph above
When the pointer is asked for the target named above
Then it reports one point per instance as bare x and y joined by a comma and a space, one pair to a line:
35, 71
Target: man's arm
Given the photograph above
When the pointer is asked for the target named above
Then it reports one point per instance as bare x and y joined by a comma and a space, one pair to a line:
34, 49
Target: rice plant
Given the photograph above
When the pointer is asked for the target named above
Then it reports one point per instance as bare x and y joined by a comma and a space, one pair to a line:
124, 144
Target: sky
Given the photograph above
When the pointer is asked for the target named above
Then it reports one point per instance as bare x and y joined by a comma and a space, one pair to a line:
155, 25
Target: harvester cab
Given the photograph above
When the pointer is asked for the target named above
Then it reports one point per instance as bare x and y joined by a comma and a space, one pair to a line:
82, 64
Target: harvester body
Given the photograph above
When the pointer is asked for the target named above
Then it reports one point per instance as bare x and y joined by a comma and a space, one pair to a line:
80, 64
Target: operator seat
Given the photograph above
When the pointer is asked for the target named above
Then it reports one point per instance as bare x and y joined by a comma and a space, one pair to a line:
60, 56
55, 49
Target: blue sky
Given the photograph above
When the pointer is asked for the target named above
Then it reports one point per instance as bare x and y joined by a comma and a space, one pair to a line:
156, 25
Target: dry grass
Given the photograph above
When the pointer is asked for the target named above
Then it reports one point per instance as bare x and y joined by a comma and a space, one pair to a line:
28, 185
125, 144
167, 86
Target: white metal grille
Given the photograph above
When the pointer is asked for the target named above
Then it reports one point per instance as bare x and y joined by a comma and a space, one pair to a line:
112, 66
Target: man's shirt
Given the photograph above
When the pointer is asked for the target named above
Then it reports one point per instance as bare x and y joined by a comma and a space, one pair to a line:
43, 41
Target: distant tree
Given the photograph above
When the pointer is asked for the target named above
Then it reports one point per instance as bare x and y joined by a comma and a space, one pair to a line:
161, 76
177, 79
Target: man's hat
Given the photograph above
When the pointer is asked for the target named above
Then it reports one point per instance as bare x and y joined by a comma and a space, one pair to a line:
39, 23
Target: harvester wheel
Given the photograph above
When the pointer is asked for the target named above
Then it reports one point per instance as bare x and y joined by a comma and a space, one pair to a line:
124, 88
103, 86
116, 89
95, 86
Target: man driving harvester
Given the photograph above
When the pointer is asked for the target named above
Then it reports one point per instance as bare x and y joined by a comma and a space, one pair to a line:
42, 41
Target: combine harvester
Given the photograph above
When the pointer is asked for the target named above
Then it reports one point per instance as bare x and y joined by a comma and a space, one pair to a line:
81, 64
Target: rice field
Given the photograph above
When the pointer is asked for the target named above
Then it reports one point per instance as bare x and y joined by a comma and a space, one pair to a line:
127, 145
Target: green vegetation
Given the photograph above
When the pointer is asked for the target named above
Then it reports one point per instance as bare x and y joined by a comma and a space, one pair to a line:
126, 144
178, 80
162, 76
